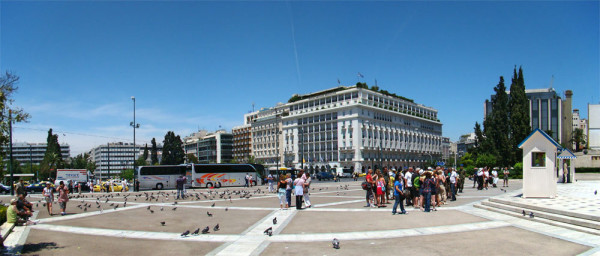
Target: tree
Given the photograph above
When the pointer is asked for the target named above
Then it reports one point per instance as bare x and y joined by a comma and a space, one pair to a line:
172, 149
154, 152
126, 174
145, 155
499, 125
8, 86
519, 114
141, 161
484, 160
578, 139
53, 157
191, 158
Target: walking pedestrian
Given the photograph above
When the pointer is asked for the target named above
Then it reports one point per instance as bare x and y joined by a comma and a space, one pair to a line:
398, 194
409, 186
246, 180
63, 197
270, 182
48, 193
461, 179
20, 188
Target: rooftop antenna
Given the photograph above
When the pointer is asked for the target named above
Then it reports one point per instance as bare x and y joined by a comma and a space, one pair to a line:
375, 82
252, 106
551, 81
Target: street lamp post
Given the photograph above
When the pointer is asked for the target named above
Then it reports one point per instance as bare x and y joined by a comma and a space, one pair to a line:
135, 126
12, 186
301, 148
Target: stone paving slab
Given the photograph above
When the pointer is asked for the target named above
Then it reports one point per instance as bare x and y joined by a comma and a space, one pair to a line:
304, 221
496, 241
230, 222
43, 242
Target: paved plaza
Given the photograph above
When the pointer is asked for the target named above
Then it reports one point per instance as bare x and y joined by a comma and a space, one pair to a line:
128, 224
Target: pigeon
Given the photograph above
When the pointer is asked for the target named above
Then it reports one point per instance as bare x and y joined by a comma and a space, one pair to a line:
523, 212
531, 215
209, 214
216, 228
275, 221
148, 208
335, 243
186, 233
161, 209
85, 209
226, 209
162, 223
595, 193
268, 231
151, 211
213, 205
205, 230
196, 232
116, 207
174, 209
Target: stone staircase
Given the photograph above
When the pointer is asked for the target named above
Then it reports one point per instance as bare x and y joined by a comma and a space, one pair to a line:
562, 218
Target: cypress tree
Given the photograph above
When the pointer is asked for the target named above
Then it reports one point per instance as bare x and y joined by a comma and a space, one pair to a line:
500, 124
519, 114
172, 150
145, 155
154, 152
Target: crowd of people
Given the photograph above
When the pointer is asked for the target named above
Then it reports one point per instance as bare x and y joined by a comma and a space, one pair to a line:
299, 187
483, 178
420, 188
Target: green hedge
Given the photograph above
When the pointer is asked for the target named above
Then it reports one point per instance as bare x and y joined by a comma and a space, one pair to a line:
2, 214
587, 169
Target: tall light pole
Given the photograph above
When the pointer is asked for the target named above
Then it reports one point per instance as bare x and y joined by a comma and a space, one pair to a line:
135, 126
12, 185
301, 148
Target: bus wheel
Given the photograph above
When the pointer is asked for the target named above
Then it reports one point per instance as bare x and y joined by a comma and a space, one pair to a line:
209, 185
218, 185
159, 186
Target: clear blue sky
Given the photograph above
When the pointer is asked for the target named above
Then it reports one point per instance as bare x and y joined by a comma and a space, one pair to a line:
201, 64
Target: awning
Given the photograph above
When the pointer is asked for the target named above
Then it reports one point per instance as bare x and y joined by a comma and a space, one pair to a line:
566, 154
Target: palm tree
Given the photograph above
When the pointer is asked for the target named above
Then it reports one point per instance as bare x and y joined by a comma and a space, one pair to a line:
578, 139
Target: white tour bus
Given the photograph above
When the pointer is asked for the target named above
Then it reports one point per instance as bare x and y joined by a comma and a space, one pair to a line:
198, 175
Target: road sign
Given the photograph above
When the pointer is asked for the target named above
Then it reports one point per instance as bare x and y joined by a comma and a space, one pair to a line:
440, 163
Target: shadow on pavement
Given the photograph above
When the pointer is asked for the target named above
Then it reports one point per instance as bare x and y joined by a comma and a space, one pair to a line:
33, 248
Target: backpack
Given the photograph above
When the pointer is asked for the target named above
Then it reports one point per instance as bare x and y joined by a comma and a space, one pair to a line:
365, 185
417, 182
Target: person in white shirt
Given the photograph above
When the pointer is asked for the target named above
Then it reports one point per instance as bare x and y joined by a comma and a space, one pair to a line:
495, 177
299, 191
409, 186
480, 179
123, 185
453, 179
270, 181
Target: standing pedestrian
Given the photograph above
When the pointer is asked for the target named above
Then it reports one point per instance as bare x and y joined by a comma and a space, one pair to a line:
20, 188
180, 182
409, 186
506, 174
427, 186
380, 189
63, 197
461, 179
494, 178
250, 180
281, 192
288, 189
123, 185
299, 191
246, 179
48, 193
306, 192
369, 180
480, 179
453, 179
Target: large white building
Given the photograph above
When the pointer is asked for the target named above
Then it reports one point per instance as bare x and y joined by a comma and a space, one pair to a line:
593, 126
351, 127
210, 147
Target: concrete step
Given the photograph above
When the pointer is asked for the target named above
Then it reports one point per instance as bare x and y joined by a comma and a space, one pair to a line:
544, 214
548, 210
539, 219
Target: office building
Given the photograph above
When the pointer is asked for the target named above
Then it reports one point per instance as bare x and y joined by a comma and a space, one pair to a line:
547, 111
113, 158
593, 127
215, 147
33, 153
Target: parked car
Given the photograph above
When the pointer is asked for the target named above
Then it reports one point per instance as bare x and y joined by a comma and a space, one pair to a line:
116, 187
36, 187
324, 176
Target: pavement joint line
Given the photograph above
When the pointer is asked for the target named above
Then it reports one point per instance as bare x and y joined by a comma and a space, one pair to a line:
338, 203
251, 240
134, 234
88, 214
541, 228
591, 252
385, 234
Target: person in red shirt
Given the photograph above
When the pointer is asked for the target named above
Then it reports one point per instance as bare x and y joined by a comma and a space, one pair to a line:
369, 179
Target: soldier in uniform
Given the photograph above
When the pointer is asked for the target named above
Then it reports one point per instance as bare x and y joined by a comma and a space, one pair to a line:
462, 177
